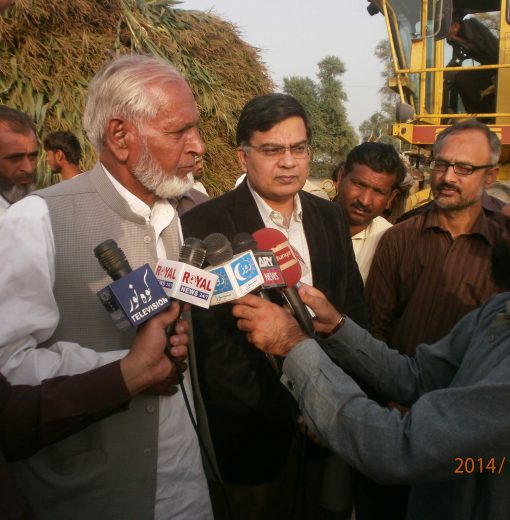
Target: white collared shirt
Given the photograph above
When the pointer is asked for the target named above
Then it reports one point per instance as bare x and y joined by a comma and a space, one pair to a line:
365, 243
295, 233
182, 491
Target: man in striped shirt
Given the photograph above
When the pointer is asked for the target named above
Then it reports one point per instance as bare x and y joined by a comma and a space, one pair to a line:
434, 268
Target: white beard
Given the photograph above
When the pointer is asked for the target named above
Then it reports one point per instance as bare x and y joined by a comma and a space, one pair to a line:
158, 181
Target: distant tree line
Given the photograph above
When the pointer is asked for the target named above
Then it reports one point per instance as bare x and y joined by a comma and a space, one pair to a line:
324, 101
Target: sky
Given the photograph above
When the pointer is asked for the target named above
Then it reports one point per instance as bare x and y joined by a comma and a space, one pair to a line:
294, 36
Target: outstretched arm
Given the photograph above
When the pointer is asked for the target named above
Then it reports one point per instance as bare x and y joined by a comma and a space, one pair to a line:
444, 424
33, 416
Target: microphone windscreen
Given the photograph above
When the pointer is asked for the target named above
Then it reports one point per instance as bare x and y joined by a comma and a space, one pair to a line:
112, 259
193, 252
276, 241
243, 242
219, 248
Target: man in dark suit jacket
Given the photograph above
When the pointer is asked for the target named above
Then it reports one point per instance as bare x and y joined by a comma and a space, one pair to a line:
251, 417
34, 416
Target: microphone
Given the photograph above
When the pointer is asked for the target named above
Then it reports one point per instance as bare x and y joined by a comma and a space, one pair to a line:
266, 260
276, 241
243, 242
237, 275
184, 279
134, 296
218, 249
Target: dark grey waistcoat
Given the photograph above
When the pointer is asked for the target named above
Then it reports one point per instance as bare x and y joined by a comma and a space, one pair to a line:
108, 471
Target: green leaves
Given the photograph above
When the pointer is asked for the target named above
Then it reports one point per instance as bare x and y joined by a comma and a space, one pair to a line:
323, 100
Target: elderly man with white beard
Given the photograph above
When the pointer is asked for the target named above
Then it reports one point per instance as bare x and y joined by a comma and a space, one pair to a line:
144, 463
18, 156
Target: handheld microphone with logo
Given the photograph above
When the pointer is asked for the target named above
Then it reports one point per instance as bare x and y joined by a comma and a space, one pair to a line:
184, 279
276, 241
266, 260
134, 296
237, 275
219, 251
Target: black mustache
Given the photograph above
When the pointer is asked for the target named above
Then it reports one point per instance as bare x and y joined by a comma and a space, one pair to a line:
448, 186
360, 206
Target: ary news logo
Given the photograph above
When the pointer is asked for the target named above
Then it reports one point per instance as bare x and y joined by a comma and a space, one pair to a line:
270, 269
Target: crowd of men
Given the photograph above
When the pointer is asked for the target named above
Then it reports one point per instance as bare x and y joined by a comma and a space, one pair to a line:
122, 443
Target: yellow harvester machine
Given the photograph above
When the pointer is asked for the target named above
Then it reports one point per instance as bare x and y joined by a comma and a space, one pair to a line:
422, 60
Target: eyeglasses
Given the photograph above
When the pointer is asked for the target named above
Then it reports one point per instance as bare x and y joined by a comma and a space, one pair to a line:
298, 151
458, 168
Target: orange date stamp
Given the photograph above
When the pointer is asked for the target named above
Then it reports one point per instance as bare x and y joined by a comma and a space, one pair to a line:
471, 465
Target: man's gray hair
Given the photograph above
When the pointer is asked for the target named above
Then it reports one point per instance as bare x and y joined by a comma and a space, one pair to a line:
120, 89
471, 124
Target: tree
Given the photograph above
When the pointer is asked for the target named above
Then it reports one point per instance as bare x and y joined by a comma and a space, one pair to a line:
324, 101
307, 92
377, 126
376, 129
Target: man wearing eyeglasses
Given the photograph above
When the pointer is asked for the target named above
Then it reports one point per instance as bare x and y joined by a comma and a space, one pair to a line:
432, 269
251, 417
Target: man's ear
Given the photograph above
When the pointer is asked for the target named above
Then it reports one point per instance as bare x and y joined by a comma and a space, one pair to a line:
490, 177
119, 138
241, 155
394, 193
59, 156
340, 178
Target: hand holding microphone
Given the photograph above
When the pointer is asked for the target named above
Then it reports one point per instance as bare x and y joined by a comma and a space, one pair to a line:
272, 265
147, 365
327, 319
276, 241
271, 328
271, 275
134, 297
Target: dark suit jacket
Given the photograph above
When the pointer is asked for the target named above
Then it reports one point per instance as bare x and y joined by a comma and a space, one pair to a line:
251, 414
33, 416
